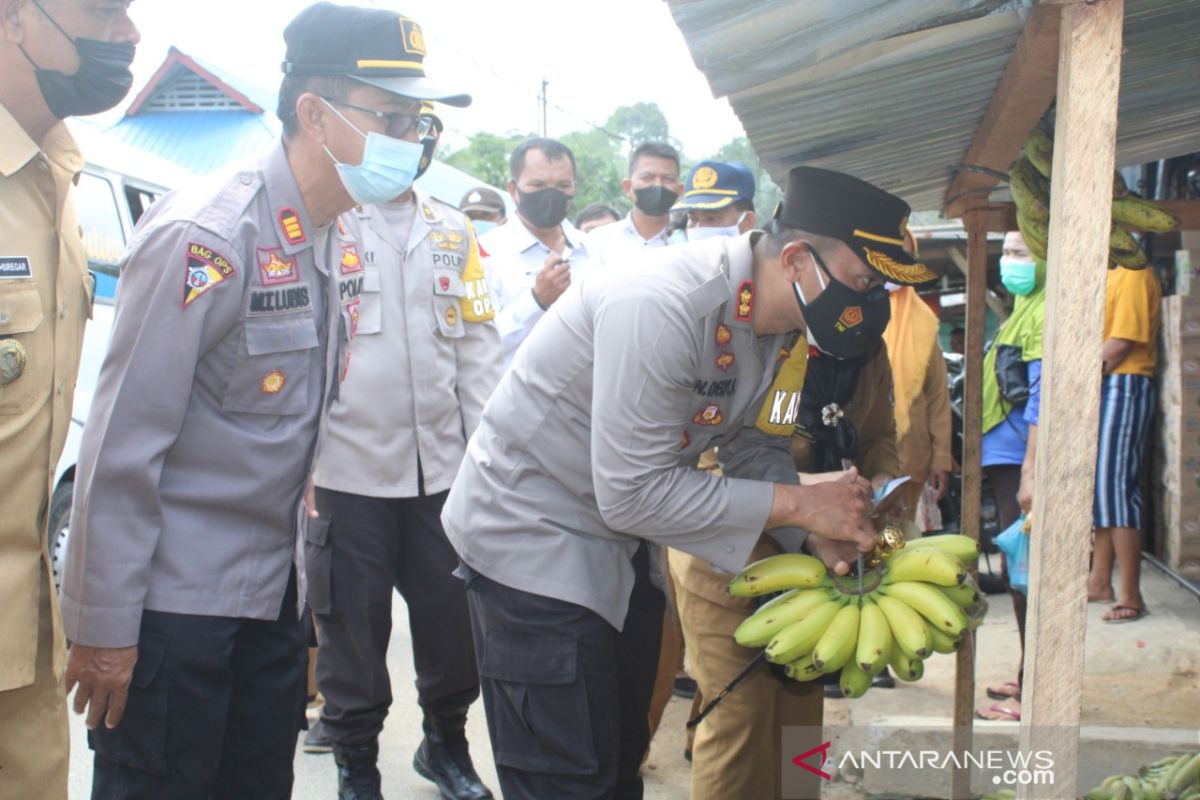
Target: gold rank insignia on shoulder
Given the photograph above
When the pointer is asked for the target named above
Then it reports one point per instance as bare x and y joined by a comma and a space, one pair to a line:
724, 335
745, 302
13, 360
272, 382
293, 231
724, 360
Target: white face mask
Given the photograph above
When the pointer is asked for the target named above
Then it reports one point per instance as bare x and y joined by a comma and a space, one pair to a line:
696, 233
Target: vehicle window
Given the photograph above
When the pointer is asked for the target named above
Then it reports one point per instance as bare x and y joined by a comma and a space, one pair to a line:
103, 237
139, 201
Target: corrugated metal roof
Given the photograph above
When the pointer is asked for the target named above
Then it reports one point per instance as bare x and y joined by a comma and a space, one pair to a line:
199, 141
893, 90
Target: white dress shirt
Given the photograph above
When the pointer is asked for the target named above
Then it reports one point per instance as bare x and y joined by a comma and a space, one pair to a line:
513, 259
620, 240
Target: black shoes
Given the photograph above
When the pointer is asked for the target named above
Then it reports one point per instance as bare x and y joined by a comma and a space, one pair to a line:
443, 758
316, 739
358, 776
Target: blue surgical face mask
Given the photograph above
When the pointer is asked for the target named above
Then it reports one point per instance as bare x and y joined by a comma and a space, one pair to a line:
1018, 275
482, 226
389, 167
696, 233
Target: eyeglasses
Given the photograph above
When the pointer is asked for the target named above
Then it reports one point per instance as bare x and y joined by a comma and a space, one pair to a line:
396, 124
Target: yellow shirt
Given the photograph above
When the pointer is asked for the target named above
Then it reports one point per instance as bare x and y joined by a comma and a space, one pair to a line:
45, 298
1131, 311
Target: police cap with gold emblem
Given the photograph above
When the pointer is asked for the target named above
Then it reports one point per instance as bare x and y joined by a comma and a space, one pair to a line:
716, 184
871, 222
373, 46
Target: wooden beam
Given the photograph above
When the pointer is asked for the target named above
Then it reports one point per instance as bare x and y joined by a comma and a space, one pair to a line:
993, 302
972, 475
1025, 91
1089, 75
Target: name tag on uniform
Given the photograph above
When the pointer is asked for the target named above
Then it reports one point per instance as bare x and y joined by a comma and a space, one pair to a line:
14, 267
267, 302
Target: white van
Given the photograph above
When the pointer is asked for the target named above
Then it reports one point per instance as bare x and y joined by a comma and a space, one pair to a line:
118, 184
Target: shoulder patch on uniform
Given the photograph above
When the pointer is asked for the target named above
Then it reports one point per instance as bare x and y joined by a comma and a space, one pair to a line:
205, 269
293, 230
745, 302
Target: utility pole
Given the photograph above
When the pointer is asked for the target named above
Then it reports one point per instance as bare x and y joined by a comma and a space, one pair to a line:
543, 102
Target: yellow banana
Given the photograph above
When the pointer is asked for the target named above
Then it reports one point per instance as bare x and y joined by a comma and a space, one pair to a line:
964, 548
1036, 234
836, 645
759, 628
778, 573
1039, 149
931, 604
1030, 191
1143, 215
853, 681
874, 638
963, 596
931, 566
906, 668
799, 638
940, 642
802, 670
910, 634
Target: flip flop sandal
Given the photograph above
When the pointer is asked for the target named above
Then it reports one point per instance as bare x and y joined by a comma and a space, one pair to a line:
1003, 694
1012, 714
1140, 612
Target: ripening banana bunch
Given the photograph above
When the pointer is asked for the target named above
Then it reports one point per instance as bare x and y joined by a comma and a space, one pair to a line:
917, 602
1171, 778
1029, 182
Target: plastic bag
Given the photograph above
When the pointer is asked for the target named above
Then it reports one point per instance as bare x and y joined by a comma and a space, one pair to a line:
1014, 543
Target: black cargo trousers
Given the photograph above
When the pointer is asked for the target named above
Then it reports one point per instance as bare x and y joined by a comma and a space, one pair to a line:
358, 552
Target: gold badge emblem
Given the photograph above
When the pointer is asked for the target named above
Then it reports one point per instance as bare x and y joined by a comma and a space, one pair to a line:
451, 315
724, 335
724, 360
709, 415
12, 360
272, 382
851, 317
705, 178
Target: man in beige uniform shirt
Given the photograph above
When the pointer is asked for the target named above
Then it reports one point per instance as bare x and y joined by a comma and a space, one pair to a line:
57, 59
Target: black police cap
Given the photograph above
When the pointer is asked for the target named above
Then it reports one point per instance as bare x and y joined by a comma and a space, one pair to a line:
871, 222
373, 46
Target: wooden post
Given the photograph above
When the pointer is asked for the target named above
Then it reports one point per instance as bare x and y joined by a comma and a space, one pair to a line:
1089, 71
975, 222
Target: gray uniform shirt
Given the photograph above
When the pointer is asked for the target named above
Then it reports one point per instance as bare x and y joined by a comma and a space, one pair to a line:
204, 422
425, 357
589, 443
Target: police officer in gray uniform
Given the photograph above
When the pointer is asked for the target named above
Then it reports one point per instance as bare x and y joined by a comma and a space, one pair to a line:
583, 464
425, 357
181, 594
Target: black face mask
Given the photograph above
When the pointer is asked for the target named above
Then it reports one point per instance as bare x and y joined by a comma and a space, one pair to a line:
842, 322
545, 208
655, 201
102, 80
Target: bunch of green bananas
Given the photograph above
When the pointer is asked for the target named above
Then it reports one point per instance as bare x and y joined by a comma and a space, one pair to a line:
1029, 182
917, 602
1170, 778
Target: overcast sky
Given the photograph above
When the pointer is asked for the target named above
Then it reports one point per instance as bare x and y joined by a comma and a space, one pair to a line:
596, 56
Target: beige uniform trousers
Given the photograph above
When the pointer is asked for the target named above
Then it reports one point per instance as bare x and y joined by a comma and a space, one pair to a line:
737, 752
34, 738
